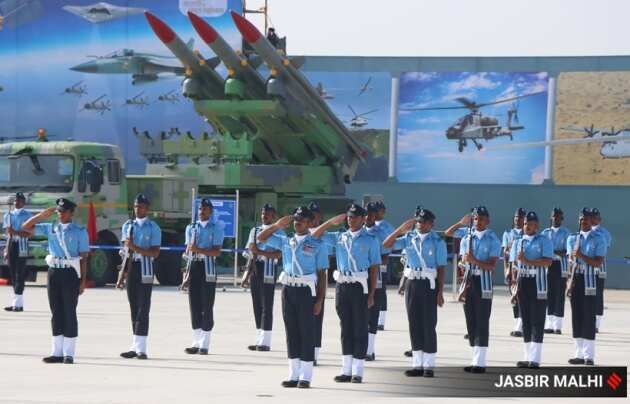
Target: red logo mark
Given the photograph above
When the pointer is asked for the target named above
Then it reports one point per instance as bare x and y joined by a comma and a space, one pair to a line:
614, 380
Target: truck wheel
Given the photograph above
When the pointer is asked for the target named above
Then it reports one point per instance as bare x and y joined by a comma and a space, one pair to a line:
101, 267
102, 263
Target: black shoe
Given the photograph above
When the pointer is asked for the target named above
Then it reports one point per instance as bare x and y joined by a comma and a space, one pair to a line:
534, 365
522, 364
548, 331
9, 308
252, 347
203, 351
289, 383
465, 336
303, 384
478, 369
428, 373
129, 354
557, 332
357, 379
415, 372
263, 348
408, 354
18, 309
142, 355
516, 334
192, 350
596, 330
589, 362
343, 378
370, 358
68, 360
53, 359
468, 369
576, 361
381, 328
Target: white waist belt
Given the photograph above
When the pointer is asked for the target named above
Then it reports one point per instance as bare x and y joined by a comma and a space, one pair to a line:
425, 273
304, 280
359, 277
56, 262
528, 271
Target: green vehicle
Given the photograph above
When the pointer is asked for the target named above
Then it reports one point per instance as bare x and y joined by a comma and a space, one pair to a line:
217, 165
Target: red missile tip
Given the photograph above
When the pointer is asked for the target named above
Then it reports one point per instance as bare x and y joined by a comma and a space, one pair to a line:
163, 31
205, 31
248, 30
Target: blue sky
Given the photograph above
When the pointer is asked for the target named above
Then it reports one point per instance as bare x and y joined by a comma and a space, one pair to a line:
345, 88
424, 153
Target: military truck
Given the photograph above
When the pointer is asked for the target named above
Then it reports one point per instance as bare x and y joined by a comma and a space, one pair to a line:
94, 173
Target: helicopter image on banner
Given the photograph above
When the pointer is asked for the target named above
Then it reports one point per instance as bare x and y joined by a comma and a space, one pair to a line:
138, 101
474, 126
615, 143
79, 89
98, 106
359, 120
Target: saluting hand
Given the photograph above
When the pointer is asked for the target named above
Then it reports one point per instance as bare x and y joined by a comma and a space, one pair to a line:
48, 212
284, 222
408, 224
465, 220
339, 219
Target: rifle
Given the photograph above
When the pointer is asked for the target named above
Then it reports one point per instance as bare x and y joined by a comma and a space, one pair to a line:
514, 279
7, 246
188, 255
573, 262
250, 265
126, 254
465, 285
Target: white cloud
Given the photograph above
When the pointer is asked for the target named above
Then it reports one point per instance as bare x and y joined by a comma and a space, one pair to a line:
428, 120
538, 174
410, 77
473, 82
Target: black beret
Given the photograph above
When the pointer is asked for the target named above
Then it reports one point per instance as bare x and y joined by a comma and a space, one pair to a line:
142, 199
481, 211
531, 217
355, 210
557, 211
268, 208
302, 212
19, 195
595, 212
380, 205
64, 204
586, 212
314, 207
423, 215
206, 203
520, 212
372, 207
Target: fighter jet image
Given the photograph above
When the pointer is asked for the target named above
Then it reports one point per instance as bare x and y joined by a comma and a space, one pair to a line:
323, 93
78, 89
137, 101
102, 12
17, 12
100, 107
366, 87
171, 97
143, 67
